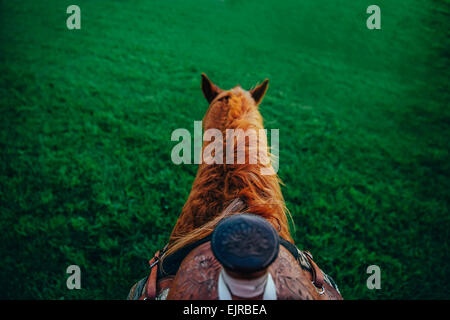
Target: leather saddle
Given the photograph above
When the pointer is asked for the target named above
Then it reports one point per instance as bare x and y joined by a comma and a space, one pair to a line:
192, 273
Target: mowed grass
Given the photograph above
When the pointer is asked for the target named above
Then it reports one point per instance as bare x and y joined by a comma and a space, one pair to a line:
86, 176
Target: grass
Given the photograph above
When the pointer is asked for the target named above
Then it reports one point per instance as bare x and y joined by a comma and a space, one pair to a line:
86, 119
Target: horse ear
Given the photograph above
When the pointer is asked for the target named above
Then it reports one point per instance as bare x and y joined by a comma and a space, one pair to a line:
210, 90
259, 92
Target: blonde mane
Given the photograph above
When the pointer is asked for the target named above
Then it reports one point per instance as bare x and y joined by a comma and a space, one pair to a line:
216, 186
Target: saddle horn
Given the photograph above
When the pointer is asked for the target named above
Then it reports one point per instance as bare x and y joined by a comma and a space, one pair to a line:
245, 245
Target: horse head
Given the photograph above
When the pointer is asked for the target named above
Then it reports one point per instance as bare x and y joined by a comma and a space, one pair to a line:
234, 108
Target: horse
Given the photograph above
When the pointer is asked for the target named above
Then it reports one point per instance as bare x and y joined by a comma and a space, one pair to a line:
232, 238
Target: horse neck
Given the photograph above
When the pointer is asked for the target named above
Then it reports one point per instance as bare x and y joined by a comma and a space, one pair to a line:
217, 184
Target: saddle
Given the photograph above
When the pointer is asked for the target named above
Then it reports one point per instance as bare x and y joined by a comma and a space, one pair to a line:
192, 273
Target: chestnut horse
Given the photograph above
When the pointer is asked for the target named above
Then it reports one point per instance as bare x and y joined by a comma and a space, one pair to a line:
224, 189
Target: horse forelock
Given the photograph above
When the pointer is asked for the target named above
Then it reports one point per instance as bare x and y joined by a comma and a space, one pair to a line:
232, 109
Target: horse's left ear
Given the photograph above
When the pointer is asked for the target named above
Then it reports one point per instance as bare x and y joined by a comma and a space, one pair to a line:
210, 90
259, 92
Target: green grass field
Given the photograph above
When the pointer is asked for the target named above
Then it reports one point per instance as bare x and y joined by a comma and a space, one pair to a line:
86, 119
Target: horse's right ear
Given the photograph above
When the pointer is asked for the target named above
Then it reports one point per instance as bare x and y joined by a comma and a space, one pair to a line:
210, 90
259, 92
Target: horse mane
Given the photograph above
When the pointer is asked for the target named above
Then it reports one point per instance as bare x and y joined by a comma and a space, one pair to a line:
237, 188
